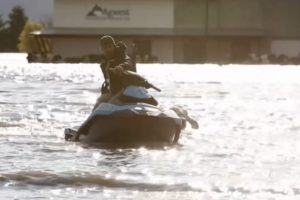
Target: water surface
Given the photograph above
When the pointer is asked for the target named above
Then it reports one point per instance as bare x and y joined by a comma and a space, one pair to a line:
247, 146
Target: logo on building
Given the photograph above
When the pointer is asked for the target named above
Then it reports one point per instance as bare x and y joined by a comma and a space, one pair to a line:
113, 14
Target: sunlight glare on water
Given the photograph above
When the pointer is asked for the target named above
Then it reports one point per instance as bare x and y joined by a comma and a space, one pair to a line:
246, 147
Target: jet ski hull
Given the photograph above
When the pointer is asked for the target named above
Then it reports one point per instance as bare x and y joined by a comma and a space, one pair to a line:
131, 129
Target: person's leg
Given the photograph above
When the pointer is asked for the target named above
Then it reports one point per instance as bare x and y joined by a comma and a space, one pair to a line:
104, 98
115, 98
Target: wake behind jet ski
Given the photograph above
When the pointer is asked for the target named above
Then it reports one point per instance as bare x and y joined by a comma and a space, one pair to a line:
132, 116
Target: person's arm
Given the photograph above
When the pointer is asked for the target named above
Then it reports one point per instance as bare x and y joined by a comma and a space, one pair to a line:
127, 64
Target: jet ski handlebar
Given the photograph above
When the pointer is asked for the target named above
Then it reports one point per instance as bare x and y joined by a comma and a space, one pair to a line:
154, 87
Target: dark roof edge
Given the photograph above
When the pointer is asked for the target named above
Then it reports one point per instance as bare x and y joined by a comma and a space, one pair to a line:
150, 32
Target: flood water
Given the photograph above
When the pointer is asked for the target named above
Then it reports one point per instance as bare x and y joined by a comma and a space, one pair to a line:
247, 146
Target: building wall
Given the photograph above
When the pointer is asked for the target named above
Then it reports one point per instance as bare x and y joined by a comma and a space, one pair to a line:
163, 49
236, 14
136, 14
282, 25
190, 14
282, 18
74, 47
218, 14
228, 29
218, 23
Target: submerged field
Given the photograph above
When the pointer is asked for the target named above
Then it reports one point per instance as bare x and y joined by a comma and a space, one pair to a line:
247, 146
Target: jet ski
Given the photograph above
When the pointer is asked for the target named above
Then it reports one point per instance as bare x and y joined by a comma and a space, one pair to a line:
133, 116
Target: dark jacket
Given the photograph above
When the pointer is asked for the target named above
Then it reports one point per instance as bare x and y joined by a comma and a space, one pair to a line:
113, 82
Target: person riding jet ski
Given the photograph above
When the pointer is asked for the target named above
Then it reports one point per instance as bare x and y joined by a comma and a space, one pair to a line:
125, 111
114, 59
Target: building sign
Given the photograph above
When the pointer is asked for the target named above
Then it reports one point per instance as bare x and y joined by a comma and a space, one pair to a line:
98, 12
